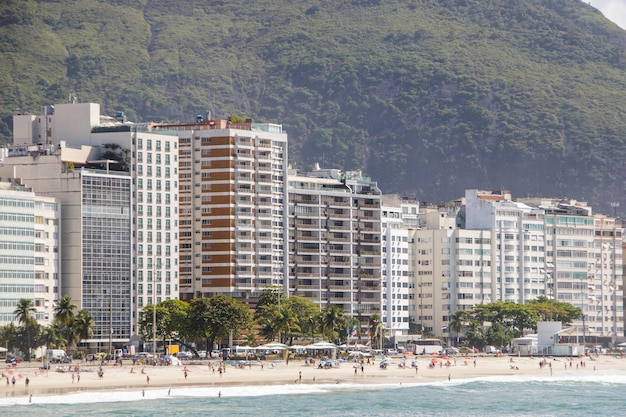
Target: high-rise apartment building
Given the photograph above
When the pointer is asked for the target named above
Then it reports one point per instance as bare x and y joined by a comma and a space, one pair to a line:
499, 249
233, 202
29, 251
118, 183
395, 280
584, 265
519, 242
335, 247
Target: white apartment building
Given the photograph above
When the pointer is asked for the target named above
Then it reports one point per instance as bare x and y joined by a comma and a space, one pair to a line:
395, 280
584, 265
71, 152
29, 251
519, 243
334, 241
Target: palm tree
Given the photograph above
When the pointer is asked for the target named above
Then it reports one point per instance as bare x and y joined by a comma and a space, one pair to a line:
250, 338
64, 315
334, 318
458, 321
24, 314
83, 326
285, 322
51, 337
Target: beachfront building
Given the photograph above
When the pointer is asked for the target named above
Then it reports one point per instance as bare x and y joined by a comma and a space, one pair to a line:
233, 202
29, 251
118, 183
454, 269
334, 241
584, 265
497, 249
395, 267
95, 235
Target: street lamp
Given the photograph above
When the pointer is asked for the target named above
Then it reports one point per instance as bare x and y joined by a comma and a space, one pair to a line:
154, 308
111, 316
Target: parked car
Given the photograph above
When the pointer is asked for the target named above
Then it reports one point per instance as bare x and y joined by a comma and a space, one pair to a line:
184, 355
13, 359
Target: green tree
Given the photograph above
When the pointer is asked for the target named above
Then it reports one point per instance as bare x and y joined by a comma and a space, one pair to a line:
268, 303
24, 314
475, 335
213, 319
548, 310
459, 320
285, 322
51, 336
333, 318
153, 321
10, 336
173, 320
499, 335
83, 325
64, 315
304, 309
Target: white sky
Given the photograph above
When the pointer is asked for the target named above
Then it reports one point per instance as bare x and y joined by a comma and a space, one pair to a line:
614, 10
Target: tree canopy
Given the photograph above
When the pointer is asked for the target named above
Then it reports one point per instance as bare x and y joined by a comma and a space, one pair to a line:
499, 322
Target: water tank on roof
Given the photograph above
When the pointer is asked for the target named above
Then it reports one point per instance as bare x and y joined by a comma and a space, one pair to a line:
199, 118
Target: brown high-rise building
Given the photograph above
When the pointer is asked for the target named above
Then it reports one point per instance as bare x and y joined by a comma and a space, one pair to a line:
232, 208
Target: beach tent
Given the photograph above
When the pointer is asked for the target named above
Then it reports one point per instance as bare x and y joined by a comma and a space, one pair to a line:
328, 347
273, 346
322, 345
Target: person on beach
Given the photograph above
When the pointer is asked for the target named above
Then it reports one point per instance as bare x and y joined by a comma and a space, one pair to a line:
26, 382
148, 379
300, 376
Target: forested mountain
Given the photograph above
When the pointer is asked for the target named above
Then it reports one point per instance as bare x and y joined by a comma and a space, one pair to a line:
429, 97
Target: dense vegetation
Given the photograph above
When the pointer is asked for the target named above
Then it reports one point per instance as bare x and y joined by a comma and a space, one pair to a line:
507, 320
428, 96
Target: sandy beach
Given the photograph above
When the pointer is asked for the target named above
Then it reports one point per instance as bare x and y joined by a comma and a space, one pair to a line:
200, 373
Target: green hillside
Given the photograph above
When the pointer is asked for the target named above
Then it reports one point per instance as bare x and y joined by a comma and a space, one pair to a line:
429, 97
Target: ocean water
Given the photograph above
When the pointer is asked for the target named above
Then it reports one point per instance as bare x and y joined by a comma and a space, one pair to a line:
585, 394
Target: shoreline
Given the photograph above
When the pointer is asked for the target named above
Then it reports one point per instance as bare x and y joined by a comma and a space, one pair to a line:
119, 378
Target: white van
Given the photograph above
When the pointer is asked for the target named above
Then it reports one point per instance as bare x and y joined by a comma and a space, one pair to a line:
57, 356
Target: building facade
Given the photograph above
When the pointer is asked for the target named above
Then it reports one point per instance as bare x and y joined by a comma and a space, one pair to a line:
395, 268
130, 173
233, 199
29, 251
334, 241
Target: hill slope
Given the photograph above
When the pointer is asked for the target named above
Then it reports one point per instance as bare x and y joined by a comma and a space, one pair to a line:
429, 97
